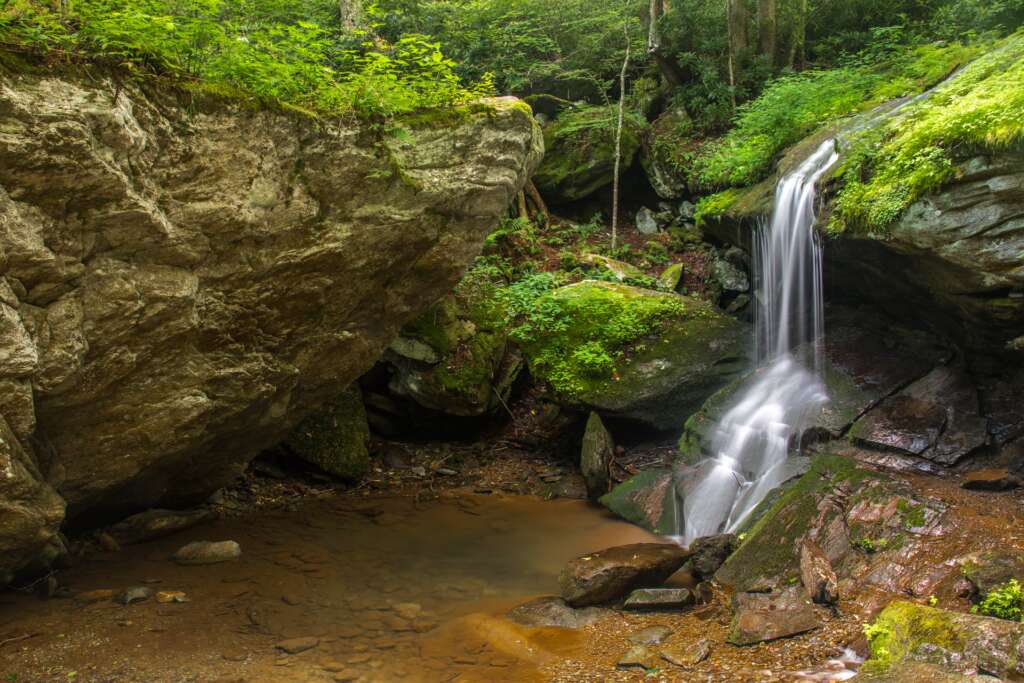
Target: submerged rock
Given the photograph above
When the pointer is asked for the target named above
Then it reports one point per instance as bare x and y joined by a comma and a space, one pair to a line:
555, 612
639, 656
207, 552
610, 574
153, 524
965, 643
688, 655
186, 278
596, 457
294, 646
672, 351
335, 437
652, 635
759, 617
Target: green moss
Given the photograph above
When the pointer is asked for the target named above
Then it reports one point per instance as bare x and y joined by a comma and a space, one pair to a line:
1005, 601
912, 514
902, 628
890, 167
715, 205
575, 336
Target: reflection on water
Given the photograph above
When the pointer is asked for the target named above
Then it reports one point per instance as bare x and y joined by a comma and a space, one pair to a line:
393, 589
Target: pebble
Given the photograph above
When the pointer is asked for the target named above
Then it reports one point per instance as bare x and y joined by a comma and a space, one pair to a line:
652, 635
166, 597
408, 610
446, 471
100, 595
294, 646
358, 659
687, 655
346, 676
207, 552
134, 594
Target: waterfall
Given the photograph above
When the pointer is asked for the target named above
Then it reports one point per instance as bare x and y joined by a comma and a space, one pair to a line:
752, 440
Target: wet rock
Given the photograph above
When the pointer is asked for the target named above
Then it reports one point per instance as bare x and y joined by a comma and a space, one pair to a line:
294, 646
662, 167
408, 610
414, 349
695, 351
135, 594
596, 457
610, 574
988, 569
650, 599
99, 595
646, 500
555, 612
710, 553
728, 277
153, 524
937, 417
688, 654
652, 635
817, 575
998, 479
639, 656
907, 632
760, 617
168, 597
207, 552
646, 223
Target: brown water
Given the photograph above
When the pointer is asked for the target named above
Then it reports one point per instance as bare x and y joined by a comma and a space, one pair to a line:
393, 589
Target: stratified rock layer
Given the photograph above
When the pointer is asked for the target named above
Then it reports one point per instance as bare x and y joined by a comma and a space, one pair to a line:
182, 279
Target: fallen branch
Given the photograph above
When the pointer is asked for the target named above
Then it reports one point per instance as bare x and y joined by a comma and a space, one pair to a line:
17, 639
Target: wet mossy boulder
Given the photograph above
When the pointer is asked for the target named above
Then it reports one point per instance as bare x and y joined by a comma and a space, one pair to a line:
907, 632
631, 353
456, 358
645, 500
580, 152
666, 153
335, 438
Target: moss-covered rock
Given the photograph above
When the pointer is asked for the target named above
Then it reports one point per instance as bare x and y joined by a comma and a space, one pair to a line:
596, 456
335, 438
645, 500
667, 153
455, 358
905, 631
632, 353
580, 152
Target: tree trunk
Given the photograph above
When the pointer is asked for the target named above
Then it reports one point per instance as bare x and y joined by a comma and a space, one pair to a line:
767, 23
521, 205
652, 34
351, 13
731, 50
798, 49
618, 131
538, 201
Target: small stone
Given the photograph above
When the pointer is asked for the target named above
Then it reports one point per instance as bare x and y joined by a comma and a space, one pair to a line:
107, 542
687, 656
166, 597
136, 594
408, 610
358, 659
207, 552
234, 655
759, 617
294, 646
99, 595
419, 471
639, 656
652, 635
646, 222
446, 471
346, 675
817, 574
998, 479
659, 598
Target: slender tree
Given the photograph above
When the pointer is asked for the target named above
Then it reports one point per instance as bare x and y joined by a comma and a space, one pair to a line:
653, 14
767, 29
351, 13
798, 46
618, 128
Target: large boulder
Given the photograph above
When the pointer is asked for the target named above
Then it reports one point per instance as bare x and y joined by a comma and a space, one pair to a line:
666, 154
633, 353
613, 573
580, 152
184, 278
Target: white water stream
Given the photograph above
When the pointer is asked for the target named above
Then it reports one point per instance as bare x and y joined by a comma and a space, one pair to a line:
752, 441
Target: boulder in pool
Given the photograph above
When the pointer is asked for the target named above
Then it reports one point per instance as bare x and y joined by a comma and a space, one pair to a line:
611, 574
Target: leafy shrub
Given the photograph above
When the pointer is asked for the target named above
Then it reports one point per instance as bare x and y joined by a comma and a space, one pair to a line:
1005, 601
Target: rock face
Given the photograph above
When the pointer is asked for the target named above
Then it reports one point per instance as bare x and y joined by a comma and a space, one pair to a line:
953, 259
609, 574
183, 280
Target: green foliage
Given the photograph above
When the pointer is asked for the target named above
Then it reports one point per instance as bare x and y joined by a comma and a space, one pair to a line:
891, 166
254, 46
795, 106
1005, 601
871, 545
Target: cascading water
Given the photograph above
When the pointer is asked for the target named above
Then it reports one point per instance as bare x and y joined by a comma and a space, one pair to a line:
752, 441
